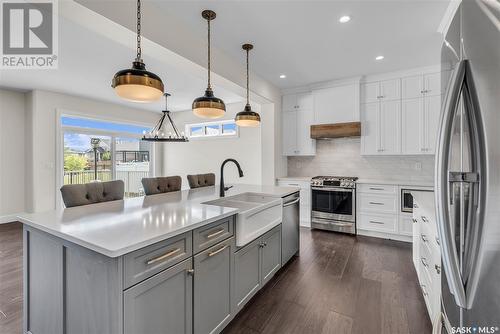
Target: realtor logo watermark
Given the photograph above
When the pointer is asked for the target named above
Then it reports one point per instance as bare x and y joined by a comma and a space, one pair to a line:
29, 34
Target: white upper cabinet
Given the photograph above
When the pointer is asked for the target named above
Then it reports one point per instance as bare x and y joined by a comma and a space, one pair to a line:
381, 90
289, 132
420, 122
301, 101
390, 127
421, 85
390, 89
298, 116
432, 116
413, 87
370, 92
370, 128
401, 116
412, 121
381, 128
432, 84
338, 104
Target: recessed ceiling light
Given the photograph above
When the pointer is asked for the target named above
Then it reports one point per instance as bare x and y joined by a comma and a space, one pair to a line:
345, 19
282, 76
379, 57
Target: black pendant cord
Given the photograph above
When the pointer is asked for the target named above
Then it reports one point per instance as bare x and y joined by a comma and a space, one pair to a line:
139, 49
248, 81
209, 87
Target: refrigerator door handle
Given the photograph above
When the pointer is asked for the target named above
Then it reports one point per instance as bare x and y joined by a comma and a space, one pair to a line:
449, 251
463, 277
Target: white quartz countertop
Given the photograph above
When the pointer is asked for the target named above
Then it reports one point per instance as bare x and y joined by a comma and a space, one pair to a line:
295, 178
119, 227
428, 184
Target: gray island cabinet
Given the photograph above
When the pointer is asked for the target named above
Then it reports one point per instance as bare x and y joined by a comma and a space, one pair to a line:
195, 282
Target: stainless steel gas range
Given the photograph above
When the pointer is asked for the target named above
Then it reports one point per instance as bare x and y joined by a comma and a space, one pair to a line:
334, 203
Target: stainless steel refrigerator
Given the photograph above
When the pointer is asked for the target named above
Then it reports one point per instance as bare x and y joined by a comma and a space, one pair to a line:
467, 179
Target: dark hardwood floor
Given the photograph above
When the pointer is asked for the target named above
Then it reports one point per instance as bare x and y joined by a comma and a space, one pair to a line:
340, 284
11, 278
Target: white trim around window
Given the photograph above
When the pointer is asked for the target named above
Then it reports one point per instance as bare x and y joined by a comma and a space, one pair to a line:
212, 130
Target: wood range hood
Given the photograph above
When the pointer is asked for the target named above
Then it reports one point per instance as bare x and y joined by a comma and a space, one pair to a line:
336, 130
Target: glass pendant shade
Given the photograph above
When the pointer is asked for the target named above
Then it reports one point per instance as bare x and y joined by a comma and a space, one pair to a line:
247, 118
138, 85
208, 106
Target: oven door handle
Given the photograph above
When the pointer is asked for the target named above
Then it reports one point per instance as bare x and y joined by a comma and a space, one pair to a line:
334, 189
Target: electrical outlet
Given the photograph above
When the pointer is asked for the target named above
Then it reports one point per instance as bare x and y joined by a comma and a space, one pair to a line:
418, 165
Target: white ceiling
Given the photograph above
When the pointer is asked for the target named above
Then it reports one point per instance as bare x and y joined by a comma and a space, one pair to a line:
302, 39
88, 61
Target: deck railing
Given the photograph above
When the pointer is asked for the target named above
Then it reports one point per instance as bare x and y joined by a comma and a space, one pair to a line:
132, 179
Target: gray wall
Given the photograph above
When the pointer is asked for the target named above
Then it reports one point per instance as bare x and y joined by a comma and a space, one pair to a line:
342, 157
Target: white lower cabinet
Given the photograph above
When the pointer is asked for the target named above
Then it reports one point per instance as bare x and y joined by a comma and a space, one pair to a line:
426, 250
305, 197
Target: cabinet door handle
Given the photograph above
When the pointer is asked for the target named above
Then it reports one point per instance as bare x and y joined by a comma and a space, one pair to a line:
423, 237
376, 203
376, 222
414, 220
217, 251
424, 262
424, 219
190, 272
163, 257
437, 241
422, 91
212, 235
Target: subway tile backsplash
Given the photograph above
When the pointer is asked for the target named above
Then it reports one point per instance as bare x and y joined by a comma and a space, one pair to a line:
342, 157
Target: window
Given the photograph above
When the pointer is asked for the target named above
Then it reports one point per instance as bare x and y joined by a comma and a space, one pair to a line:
208, 130
104, 151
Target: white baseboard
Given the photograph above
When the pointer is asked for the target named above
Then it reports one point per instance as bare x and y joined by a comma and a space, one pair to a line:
382, 235
304, 223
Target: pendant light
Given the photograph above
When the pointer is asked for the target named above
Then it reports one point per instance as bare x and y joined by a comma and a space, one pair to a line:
159, 132
208, 106
247, 117
136, 84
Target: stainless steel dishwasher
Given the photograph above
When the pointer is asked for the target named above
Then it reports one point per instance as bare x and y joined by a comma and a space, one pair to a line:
290, 227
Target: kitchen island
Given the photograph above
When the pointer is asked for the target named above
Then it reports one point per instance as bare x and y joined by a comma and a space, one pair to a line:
167, 263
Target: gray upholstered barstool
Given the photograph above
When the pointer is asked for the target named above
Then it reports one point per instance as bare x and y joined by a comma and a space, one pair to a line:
159, 185
201, 180
90, 193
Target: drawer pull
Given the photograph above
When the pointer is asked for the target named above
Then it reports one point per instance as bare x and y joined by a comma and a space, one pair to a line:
376, 222
379, 189
163, 257
424, 238
217, 251
424, 262
376, 203
424, 219
438, 268
212, 235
